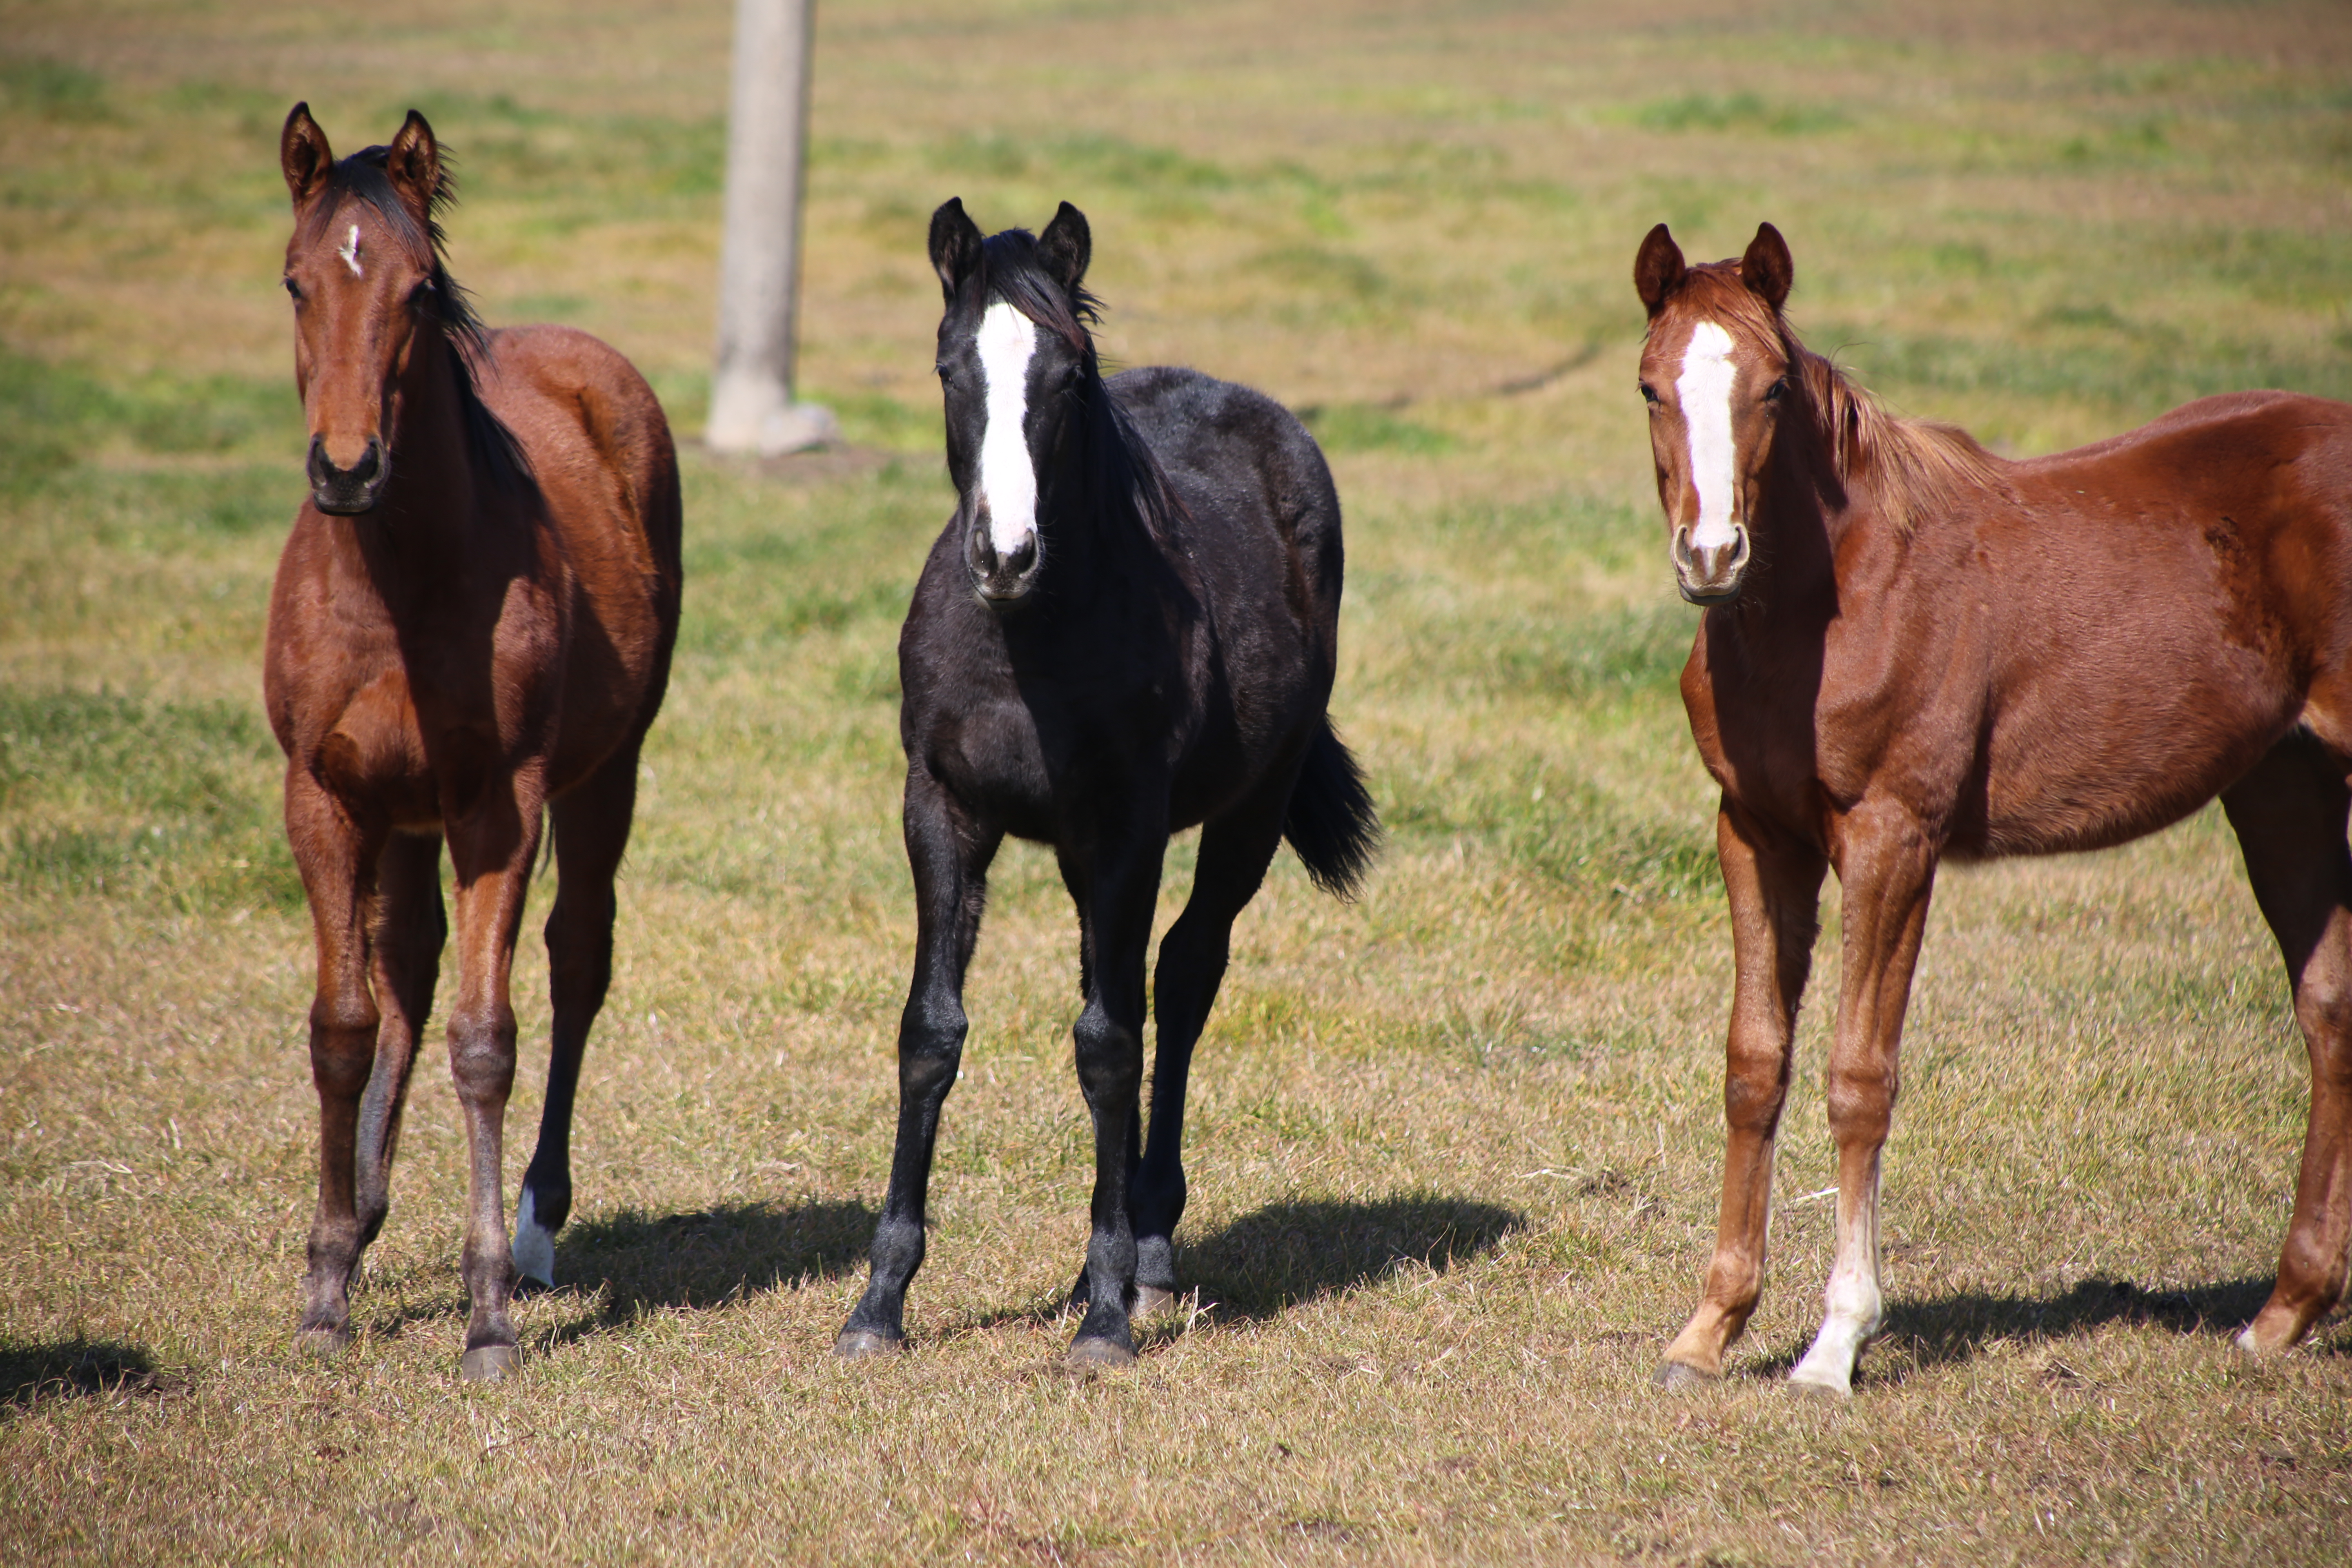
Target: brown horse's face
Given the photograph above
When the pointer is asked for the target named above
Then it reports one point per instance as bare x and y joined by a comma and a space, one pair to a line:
361, 282
1715, 384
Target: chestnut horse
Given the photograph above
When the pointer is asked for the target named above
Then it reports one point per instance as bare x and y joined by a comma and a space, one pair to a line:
471, 626
1913, 649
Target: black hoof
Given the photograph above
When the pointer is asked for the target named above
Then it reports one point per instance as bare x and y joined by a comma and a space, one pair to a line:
1094, 1354
1674, 1377
326, 1343
865, 1344
489, 1364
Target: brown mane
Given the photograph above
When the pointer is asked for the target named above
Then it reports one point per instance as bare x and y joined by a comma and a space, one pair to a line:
1909, 470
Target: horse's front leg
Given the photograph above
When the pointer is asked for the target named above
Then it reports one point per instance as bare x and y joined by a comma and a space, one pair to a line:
1122, 891
949, 852
1886, 871
1773, 884
491, 848
337, 861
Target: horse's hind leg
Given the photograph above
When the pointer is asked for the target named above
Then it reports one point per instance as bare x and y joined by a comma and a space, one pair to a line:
592, 830
950, 855
410, 928
1235, 850
2290, 815
337, 861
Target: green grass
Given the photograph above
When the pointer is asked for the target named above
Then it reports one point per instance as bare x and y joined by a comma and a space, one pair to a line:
1453, 1150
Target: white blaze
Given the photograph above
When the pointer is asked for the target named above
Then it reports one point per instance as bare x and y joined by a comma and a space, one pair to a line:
350, 252
1705, 388
1008, 480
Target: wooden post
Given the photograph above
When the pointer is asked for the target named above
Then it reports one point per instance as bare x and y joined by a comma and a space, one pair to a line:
751, 406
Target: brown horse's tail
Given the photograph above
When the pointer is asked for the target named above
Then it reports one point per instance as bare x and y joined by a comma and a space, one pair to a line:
1332, 822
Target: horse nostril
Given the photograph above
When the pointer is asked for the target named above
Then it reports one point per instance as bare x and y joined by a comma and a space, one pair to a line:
1023, 557
371, 461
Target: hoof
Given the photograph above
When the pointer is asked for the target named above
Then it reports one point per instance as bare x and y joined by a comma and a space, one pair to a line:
1151, 1299
1674, 1377
489, 1364
865, 1344
324, 1344
1820, 1388
1098, 1355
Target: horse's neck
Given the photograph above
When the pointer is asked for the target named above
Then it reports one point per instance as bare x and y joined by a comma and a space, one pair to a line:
411, 542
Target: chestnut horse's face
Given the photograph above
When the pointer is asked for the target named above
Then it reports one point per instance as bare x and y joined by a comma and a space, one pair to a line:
1012, 387
360, 275
1715, 376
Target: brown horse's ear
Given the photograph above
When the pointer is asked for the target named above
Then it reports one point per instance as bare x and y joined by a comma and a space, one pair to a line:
413, 161
303, 154
1657, 270
1066, 246
1766, 269
955, 244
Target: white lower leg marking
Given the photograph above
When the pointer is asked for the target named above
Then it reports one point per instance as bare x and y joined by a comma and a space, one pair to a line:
350, 252
1008, 480
535, 1244
1704, 390
1855, 1307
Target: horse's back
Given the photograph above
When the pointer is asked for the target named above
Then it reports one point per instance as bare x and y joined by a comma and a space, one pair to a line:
1248, 473
605, 465
591, 427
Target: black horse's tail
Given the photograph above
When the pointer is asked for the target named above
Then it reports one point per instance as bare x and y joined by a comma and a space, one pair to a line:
1331, 822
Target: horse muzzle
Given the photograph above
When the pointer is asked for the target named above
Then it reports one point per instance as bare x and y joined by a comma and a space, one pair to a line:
346, 493
1711, 573
1002, 580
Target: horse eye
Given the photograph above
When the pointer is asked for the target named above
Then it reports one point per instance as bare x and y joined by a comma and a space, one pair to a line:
422, 293
292, 288
1649, 394
1772, 393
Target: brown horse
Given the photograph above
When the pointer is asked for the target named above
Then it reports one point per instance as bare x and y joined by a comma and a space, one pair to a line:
471, 628
1916, 650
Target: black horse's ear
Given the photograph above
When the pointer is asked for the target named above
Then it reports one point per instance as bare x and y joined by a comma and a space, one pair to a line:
414, 163
1657, 268
1766, 269
1067, 244
303, 154
955, 244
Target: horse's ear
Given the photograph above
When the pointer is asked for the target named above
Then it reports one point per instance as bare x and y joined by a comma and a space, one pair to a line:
1067, 244
303, 154
1657, 268
955, 244
1766, 269
414, 163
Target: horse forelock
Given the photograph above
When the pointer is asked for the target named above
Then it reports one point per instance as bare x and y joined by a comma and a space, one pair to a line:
1012, 270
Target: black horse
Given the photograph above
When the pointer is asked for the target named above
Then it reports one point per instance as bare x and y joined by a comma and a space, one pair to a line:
1129, 627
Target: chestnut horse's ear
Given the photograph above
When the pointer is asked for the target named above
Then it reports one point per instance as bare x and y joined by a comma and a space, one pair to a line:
1066, 246
955, 244
1657, 270
412, 163
1766, 269
303, 154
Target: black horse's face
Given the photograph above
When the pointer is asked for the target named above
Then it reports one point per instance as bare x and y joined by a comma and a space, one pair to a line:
1014, 388
1010, 390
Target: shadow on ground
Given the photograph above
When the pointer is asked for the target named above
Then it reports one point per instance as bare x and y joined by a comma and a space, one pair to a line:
1944, 1331
32, 1374
1287, 1254
633, 1263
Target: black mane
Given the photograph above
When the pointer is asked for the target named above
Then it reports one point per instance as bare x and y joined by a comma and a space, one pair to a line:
363, 177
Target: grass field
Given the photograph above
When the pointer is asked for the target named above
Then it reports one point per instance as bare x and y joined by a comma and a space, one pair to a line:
1454, 1147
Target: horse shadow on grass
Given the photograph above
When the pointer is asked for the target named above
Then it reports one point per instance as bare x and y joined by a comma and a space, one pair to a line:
1290, 1255
619, 1267
54, 1371
1944, 1331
